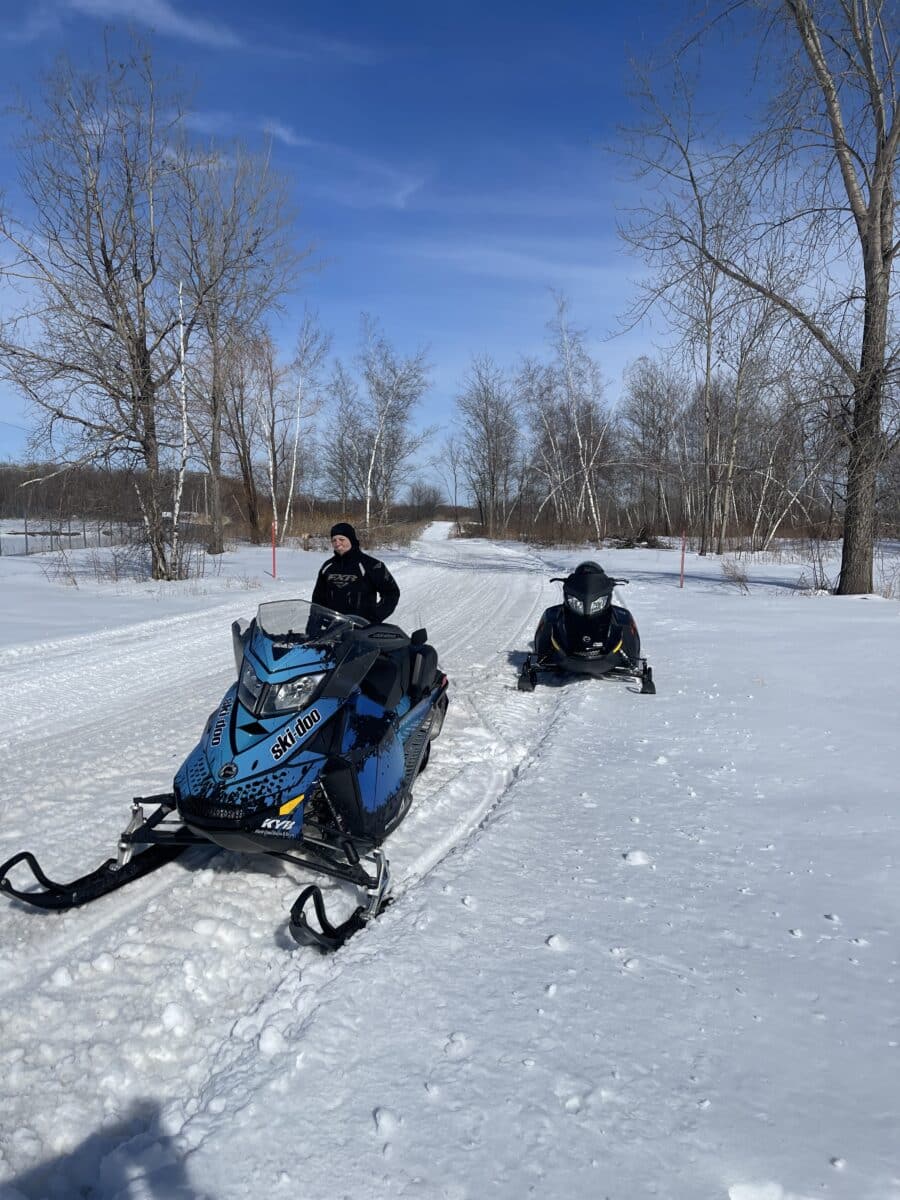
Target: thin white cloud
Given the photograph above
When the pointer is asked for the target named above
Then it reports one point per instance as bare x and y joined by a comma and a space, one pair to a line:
161, 16
165, 18
358, 180
331, 171
218, 122
353, 53
548, 262
284, 133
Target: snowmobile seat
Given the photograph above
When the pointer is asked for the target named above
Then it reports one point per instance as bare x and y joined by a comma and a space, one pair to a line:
388, 677
423, 669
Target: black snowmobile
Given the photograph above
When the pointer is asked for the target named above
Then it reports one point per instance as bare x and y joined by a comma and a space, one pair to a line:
587, 634
310, 757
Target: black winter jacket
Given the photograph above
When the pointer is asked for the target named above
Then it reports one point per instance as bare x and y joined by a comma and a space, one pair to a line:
357, 584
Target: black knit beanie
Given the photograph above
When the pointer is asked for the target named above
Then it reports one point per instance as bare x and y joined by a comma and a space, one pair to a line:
345, 529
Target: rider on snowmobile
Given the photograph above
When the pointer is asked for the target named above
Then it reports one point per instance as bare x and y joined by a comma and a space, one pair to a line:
355, 583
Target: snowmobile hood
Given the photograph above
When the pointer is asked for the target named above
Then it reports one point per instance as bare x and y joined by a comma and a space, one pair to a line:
588, 581
587, 593
243, 764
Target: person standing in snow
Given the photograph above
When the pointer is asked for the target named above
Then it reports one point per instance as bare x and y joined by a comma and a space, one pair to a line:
355, 583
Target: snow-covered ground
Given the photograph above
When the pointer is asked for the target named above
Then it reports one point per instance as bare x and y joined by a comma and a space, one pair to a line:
642, 946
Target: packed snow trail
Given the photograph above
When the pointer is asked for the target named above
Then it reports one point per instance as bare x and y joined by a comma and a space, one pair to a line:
644, 946
129, 705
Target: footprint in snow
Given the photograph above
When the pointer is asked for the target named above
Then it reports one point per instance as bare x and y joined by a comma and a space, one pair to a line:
556, 942
457, 1046
637, 858
573, 1094
386, 1122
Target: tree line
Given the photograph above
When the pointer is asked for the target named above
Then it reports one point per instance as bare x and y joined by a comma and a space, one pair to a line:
151, 264
751, 452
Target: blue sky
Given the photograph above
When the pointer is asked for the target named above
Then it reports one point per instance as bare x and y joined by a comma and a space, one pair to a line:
448, 162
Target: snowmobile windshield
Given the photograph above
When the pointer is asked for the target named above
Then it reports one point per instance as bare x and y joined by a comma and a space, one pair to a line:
300, 619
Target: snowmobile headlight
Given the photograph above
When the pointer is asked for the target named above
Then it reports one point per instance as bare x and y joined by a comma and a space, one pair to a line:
575, 604
293, 695
250, 686
599, 604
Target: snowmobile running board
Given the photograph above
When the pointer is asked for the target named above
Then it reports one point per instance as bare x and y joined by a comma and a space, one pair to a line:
528, 676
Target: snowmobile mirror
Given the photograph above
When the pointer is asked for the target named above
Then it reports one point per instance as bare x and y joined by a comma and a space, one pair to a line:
238, 639
419, 637
348, 676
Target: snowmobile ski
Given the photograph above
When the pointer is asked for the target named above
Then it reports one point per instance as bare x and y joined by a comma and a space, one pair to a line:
126, 867
108, 877
328, 937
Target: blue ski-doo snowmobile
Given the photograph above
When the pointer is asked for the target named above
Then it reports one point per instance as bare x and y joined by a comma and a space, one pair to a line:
587, 634
310, 757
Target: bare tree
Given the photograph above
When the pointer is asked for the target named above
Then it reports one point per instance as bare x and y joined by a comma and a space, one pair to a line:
819, 232
374, 441
96, 344
424, 498
490, 442
233, 231
309, 358
342, 457
651, 409
449, 466
570, 426
244, 374
280, 412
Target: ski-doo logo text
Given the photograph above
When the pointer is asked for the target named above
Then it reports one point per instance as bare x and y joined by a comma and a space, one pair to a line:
221, 722
290, 737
